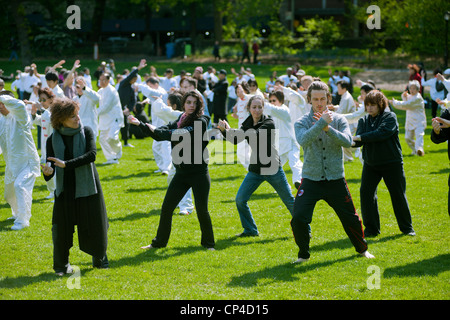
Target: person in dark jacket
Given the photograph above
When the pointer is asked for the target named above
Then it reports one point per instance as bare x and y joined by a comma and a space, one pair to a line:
265, 165
190, 158
128, 100
71, 152
220, 90
441, 133
377, 132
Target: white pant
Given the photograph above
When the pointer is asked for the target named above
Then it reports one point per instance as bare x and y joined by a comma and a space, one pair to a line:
293, 156
414, 138
243, 153
110, 142
162, 152
185, 203
19, 196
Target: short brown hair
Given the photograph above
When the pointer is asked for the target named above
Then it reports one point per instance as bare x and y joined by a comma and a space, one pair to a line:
47, 91
377, 98
277, 94
318, 86
61, 109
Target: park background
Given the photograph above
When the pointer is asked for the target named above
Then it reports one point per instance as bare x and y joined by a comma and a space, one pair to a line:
317, 34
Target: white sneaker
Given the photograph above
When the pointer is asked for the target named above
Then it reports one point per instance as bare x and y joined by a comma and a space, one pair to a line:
18, 226
50, 196
128, 145
157, 171
300, 260
164, 173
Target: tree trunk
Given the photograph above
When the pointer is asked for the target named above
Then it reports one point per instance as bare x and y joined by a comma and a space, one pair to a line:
17, 13
218, 16
97, 19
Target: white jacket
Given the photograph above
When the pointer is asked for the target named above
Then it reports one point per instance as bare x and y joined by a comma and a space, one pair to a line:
415, 111
285, 135
164, 112
88, 108
347, 104
110, 110
16, 140
43, 120
150, 93
296, 103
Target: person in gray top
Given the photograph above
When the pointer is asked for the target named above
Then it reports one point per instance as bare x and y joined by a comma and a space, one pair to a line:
322, 135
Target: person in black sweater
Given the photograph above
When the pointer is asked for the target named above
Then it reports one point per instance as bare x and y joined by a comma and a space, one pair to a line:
220, 90
265, 165
190, 159
441, 133
128, 99
377, 132
71, 151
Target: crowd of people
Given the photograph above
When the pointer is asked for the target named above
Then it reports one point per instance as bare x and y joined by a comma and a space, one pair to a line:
294, 113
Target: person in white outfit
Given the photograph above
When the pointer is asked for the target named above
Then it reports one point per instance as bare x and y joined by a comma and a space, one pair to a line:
167, 113
286, 143
241, 113
46, 97
110, 120
161, 149
346, 105
21, 158
416, 120
88, 100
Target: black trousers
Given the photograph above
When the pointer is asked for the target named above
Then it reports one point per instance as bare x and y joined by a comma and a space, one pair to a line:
394, 178
180, 184
337, 195
434, 108
125, 131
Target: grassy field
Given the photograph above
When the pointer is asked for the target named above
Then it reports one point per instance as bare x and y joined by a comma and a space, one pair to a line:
408, 268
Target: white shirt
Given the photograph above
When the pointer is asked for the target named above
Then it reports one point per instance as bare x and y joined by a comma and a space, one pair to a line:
415, 111
59, 93
88, 80
110, 110
433, 92
43, 120
88, 108
16, 140
168, 83
28, 81
150, 93
296, 103
288, 79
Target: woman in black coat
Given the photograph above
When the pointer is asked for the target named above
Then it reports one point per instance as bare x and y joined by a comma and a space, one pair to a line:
71, 151
190, 158
377, 132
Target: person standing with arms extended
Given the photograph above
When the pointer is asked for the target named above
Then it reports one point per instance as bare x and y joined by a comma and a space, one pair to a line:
322, 134
71, 151
377, 132
191, 165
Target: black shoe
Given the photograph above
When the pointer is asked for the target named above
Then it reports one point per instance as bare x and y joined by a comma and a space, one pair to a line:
100, 263
297, 184
243, 234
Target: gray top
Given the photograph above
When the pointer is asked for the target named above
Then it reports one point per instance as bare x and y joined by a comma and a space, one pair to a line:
322, 151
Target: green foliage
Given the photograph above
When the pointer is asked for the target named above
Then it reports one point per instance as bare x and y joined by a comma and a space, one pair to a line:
54, 38
280, 38
319, 33
418, 26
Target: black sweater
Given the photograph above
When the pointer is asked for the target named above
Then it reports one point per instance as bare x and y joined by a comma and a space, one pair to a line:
379, 138
261, 138
444, 135
189, 151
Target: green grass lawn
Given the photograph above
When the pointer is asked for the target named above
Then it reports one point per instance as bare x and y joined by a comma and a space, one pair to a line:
240, 269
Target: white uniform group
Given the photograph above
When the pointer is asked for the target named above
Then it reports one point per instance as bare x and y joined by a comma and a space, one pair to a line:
102, 111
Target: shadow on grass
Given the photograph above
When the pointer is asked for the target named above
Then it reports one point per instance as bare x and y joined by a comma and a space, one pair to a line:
427, 267
255, 196
130, 176
136, 216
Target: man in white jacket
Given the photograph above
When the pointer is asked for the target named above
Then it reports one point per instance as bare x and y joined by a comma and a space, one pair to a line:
416, 120
346, 105
88, 100
21, 158
161, 149
285, 141
110, 120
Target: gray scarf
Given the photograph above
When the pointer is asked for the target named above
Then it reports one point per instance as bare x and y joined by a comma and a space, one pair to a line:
84, 175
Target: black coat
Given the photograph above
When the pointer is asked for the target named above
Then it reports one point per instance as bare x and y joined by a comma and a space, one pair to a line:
88, 213
220, 90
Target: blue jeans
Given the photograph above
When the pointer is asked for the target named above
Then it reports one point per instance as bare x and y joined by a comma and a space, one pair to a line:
251, 182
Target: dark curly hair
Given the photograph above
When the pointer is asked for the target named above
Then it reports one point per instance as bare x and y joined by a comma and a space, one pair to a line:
61, 109
189, 120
